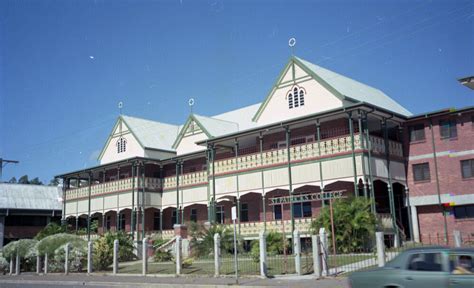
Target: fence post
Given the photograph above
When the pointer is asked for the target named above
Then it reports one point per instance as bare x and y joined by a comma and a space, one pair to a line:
396, 241
263, 254
89, 257
115, 264
45, 264
457, 238
178, 255
297, 251
11, 265
316, 255
323, 237
66, 259
38, 264
217, 254
380, 249
145, 256
17, 264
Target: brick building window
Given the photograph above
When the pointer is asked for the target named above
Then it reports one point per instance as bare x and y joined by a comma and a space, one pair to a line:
301, 210
447, 128
467, 168
108, 222
122, 221
194, 215
277, 213
244, 212
421, 172
417, 132
220, 215
463, 212
156, 221
173, 217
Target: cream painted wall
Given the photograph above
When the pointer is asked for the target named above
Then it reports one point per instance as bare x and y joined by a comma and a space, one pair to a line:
133, 147
187, 144
317, 99
155, 154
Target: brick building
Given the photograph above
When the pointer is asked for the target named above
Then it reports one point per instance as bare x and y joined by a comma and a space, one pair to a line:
26, 209
316, 132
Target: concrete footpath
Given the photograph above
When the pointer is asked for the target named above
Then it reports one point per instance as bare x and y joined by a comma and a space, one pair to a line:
82, 280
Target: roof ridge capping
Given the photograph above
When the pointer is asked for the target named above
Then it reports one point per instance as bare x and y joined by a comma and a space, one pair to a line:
353, 89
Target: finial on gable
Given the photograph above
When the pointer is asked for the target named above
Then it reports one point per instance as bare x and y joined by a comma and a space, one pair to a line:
191, 104
120, 106
292, 44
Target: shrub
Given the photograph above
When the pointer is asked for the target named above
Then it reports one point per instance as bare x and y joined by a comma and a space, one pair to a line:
3, 265
77, 254
50, 229
50, 244
161, 255
354, 223
202, 239
103, 254
24, 247
188, 262
103, 249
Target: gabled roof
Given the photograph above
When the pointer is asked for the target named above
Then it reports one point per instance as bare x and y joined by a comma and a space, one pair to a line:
354, 89
152, 134
30, 197
242, 116
216, 127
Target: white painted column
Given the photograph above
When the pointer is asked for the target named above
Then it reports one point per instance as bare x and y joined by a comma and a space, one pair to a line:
115, 264
11, 265
263, 253
316, 255
89, 257
457, 238
145, 256
45, 263
414, 221
38, 264
324, 251
297, 251
17, 264
178, 254
380, 249
217, 255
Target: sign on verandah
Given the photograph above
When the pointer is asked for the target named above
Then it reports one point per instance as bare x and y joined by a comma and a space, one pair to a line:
307, 197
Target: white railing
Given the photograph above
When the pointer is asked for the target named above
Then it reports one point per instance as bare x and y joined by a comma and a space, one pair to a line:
112, 186
186, 179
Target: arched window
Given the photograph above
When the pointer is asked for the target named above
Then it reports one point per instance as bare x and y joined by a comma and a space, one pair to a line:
121, 145
296, 97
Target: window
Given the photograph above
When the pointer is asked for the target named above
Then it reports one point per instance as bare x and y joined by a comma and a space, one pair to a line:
108, 222
302, 209
447, 128
417, 132
194, 213
244, 212
463, 212
296, 97
121, 145
421, 172
430, 262
462, 264
467, 168
277, 213
122, 219
156, 221
220, 216
173, 217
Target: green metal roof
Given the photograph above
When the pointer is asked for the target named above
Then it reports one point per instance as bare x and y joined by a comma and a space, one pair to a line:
354, 89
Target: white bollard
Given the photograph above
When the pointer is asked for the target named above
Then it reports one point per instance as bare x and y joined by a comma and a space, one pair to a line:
178, 255
11, 266
45, 263
457, 238
66, 259
144, 256
297, 251
380, 249
17, 264
316, 255
323, 237
217, 254
38, 264
396, 241
263, 253
89, 257
115, 264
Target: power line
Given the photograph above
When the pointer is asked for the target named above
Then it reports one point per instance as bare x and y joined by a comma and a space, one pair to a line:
2, 161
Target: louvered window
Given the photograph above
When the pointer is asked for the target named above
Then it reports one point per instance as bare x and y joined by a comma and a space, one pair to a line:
421, 172
417, 132
447, 128
296, 99
467, 168
301, 97
121, 145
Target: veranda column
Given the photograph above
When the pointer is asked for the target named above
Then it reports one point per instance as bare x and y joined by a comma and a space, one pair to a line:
368, 142
117, 219
78, 184
263, 184
236, 155
143, 201
132, 216
354, 166
177, 191
318, 137
63, 218
213, 214
416, 229
181, 208
290, 183
362, 142
161, 222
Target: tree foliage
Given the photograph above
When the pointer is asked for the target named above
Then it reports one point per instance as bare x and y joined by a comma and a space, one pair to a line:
276, 244
49, 244
354, 224
24, 248
202, 239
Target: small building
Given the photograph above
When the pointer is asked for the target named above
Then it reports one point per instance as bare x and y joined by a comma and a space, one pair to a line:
25, 209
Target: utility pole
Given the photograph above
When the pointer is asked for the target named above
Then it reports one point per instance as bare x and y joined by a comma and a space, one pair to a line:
3, 165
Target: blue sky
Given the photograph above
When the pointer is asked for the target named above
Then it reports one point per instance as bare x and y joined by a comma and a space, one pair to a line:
64, 65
